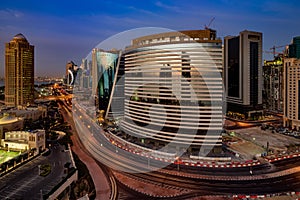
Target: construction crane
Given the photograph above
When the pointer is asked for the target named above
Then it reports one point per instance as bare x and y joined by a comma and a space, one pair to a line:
276, 47
211, 20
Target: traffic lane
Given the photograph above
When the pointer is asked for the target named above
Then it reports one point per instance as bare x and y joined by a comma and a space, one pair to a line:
281, 184
101, 183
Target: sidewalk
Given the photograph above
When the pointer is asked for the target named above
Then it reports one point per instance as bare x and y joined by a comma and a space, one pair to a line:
102, 186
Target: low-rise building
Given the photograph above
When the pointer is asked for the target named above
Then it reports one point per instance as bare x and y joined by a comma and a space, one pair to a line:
9, 123
32, 112
25, 140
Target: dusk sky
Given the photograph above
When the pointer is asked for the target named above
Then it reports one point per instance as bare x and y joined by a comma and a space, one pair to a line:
68, 30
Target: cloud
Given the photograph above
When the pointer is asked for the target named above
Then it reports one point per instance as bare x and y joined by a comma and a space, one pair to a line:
143, 11
9, 13
168, 7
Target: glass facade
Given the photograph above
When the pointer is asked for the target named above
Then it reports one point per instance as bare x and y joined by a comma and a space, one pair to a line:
106, 69
254, 73
234, 67
294, 49
107, 72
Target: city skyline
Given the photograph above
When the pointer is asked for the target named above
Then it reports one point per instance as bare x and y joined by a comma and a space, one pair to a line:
54, 28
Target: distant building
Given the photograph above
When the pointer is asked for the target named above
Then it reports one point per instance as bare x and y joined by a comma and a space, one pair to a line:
291, 117
294, 48
243, 73
19, 72
273, 84
70, 75
25, 140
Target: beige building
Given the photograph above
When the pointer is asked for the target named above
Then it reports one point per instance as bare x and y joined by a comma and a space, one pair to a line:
19, 72
24, 140
291, 117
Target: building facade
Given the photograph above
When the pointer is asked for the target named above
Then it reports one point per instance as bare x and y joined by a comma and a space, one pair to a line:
70, 75
19, 72
106, 72
291, 117
25, 140
294, 48
243, 72
273, 84
174, 91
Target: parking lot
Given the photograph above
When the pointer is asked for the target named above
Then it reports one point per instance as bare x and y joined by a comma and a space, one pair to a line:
25, 181
253, 141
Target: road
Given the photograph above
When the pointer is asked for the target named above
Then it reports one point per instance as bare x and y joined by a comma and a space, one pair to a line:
102, 185
104, 151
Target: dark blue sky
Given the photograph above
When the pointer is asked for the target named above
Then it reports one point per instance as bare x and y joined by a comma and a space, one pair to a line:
67, 30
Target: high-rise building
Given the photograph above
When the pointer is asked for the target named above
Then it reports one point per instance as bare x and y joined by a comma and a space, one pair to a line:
70, 75
291, 98
19, 72
243, 73
294, 48
273, 84
106, 70
174, 91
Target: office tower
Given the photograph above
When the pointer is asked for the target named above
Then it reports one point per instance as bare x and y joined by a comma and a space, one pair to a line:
105, 70
273, 84
294, 48
243, 73
84, 64
70, 73
291, 112
173, 91
19, 72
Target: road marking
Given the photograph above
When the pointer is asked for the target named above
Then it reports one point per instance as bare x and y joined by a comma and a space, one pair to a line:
15, 191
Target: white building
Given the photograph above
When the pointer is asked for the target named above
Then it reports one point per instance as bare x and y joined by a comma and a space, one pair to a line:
24, 140
174, 91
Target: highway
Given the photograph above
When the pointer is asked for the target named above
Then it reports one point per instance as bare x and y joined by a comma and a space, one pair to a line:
143, 168
105, 185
